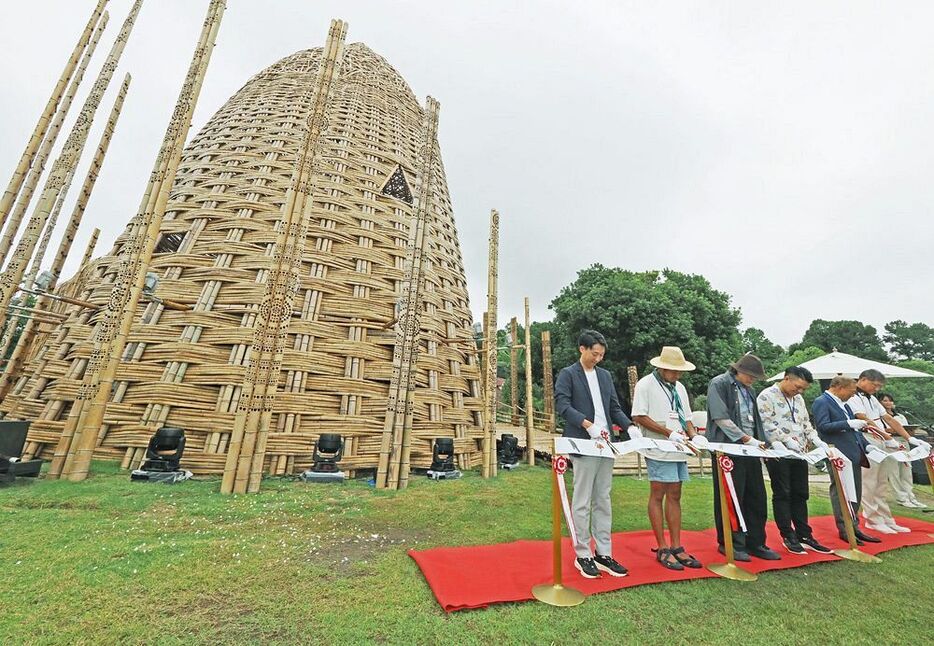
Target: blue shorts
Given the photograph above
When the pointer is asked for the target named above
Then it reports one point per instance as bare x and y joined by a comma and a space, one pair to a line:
666, 471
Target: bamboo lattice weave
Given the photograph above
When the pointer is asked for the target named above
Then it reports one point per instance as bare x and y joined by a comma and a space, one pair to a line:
188, 369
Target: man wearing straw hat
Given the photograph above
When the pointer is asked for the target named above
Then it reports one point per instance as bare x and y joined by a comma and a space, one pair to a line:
733, 418
661, 408
586, 398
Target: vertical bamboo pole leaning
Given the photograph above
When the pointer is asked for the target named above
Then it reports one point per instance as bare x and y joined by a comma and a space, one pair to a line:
529, 404
490, 349
632, 374
63, 168
85, 420
64, 247
246, 451
39, 132
28, 188
514, 371
399, 406
424, 189
548, 385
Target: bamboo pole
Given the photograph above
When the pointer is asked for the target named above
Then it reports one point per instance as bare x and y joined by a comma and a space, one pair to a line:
42, 156
529, 404
79, 438
247, 448
424, 191
63, 168
64, 248
514, 370
548, 386
490, 349
39, 132
632, 374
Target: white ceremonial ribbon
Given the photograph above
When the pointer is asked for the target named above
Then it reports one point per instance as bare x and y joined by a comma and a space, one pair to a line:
566, 506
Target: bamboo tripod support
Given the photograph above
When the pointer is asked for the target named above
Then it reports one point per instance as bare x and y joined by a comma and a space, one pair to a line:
548, 384
490, 352
79, 439
63, 168
529, 404
28, 188
248, 440
555, 593
396, 442
39, 132
24, 342
728, 570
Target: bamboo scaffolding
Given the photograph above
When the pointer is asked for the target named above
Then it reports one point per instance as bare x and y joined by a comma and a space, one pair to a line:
490, 350
25, 339
63, 169
249, 436
42, 127
529, 403
548, 386
73, 457
28, 188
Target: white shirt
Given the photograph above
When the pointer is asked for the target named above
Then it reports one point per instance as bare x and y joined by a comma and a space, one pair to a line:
599, 410
652, 400
869, 406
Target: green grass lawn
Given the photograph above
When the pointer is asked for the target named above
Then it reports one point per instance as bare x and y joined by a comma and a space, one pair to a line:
109, 561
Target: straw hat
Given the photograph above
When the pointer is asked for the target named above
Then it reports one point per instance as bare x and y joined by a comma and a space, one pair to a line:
672, 358
751, 365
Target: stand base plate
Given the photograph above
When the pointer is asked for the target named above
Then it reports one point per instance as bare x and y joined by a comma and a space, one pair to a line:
317, 476
856, 555
732, 571
558, 595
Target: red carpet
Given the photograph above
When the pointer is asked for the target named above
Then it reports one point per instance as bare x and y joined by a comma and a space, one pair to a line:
475, 577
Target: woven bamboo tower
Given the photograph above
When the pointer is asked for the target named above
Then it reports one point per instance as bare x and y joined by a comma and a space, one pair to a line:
375, 302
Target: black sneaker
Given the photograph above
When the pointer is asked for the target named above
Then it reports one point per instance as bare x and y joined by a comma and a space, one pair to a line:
610, 566
587, 568
809, 543
763, 552
793, 546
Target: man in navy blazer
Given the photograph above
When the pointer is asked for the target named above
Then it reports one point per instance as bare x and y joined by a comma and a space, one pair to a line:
586, 398
837, 425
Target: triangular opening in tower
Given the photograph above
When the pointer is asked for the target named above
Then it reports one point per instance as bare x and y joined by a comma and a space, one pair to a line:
397, 186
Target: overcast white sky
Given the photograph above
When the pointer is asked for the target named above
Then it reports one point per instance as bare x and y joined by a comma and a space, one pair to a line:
783, 150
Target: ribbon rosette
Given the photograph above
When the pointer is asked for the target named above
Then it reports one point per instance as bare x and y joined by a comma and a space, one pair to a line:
560, 464
837, 463
726, 463
737, 521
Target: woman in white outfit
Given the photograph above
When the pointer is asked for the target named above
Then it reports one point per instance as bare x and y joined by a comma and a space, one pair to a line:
900, 480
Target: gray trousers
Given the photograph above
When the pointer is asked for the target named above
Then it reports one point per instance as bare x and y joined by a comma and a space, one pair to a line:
590, 503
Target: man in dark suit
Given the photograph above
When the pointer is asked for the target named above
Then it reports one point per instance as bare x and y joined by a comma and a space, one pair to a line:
586, 398
837, 425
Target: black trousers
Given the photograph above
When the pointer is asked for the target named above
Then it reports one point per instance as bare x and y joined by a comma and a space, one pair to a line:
790, 496
750, 490
835, 499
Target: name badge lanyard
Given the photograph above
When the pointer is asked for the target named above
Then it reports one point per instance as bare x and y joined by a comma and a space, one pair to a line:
671, 394
791, 405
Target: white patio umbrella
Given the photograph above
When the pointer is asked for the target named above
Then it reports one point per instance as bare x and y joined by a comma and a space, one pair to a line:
839, 363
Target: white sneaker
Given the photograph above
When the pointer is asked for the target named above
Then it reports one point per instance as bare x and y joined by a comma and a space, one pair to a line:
907, 503
918, 504
898, 528
881, 529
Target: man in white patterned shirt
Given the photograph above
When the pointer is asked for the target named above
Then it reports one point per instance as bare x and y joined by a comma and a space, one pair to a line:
787, 425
